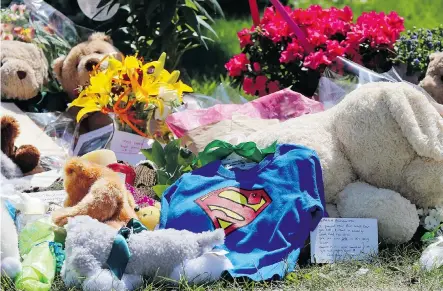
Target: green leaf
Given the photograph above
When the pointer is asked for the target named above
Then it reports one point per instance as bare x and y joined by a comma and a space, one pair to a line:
217, 7
169, 13
191, 19
191, 4
205, 24
148, 154
163, 177
203, 10
428, 236
185, 157
153, 4
160, 189
158, 154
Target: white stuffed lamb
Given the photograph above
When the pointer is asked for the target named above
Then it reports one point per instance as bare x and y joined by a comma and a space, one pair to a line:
381, 151
155, 254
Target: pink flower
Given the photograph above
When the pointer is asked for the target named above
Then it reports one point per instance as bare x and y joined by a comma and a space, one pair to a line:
237, 65
22, 9
316, 59
7, 36
244, 36
334, 49
293, 51
256, 67
316, 38
14, 7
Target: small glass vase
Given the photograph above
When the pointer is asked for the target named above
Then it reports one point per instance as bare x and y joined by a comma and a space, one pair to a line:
146, 126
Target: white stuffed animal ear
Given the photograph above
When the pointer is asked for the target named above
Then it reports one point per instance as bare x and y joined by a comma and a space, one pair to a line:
419, 121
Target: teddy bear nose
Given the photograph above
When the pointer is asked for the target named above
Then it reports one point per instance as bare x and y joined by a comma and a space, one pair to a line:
90, 65
21, 75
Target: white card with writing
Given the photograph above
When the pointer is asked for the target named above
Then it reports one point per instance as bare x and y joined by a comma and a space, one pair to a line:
56, 197
341, 239
127, 146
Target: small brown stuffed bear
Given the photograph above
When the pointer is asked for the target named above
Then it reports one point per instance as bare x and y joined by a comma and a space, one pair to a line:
24, 70
72, 71
96, 191
433, 81
25, 157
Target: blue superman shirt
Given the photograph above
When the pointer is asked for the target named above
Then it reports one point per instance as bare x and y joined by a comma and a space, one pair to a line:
267, 211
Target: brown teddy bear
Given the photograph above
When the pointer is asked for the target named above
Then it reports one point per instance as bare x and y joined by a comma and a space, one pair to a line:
96, 191
433, 81
24, 70
25, 157
72, 71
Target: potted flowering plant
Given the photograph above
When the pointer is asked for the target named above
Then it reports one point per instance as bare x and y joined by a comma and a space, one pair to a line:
273, 58
139, 96
413, 50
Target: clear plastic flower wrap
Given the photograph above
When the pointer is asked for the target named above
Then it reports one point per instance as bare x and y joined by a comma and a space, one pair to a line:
345, 76
37, 22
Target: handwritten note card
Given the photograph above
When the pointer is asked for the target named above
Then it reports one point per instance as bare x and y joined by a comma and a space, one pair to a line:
340, 239
127, 146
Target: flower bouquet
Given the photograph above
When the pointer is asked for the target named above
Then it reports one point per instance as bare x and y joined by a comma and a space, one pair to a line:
15, 24
21, 23
138, 96
273, 58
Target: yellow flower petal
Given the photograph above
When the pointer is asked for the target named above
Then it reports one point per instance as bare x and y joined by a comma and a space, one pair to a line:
173, 78
85, 111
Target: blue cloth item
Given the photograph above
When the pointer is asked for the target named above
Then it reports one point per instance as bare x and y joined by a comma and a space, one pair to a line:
11, 209
267, 211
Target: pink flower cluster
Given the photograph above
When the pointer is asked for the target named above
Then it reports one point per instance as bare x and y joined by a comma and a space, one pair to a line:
331, 32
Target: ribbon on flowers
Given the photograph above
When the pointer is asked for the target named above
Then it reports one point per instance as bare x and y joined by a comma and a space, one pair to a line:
218, 150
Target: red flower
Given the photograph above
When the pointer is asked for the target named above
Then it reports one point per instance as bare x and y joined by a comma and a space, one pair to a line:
273, 86
244, 36
256, 67
334, 49
316, 38
316, 59
249, 86
293, 51
237, 65
260, 84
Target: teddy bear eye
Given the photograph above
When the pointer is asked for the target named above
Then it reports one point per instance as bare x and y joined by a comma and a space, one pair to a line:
97, 52
441, 77
2, 63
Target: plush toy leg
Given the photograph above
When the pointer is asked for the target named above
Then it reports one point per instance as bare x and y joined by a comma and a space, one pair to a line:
206, 268
102, 202
132, 282
103, 280
397, 217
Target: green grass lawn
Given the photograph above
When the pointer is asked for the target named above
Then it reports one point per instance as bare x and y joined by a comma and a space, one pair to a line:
205, 68
395, 268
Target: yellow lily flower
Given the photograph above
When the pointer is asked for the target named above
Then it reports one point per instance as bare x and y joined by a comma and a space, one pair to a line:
100, 83
155, 68
114, 64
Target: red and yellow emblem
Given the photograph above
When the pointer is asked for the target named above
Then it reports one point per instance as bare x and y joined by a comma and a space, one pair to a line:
231, 208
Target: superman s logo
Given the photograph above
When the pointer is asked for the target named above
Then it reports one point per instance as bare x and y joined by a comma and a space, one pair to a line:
231, 208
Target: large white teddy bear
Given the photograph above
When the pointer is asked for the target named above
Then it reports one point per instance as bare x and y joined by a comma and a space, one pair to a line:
381, 151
